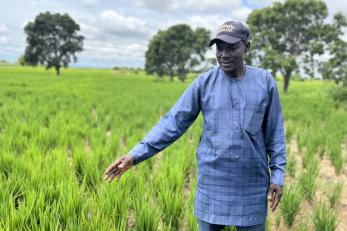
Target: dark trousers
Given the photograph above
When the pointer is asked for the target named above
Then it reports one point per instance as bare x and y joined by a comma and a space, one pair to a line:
205, 226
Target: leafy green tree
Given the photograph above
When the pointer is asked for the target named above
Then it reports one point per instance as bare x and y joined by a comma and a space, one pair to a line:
176, 51
335, 68
52, 41
286, 35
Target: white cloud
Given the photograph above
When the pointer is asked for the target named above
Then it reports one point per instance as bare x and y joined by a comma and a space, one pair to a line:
89, 2
115, 23
241, 14
3, 40
260, 3
158, 5
115, 37
88, 28
207, 6
336, 6
112, 35
3, 34
210, 22
116, 50
3, 29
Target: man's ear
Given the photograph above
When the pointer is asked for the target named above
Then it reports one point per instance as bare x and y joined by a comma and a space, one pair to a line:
248, 45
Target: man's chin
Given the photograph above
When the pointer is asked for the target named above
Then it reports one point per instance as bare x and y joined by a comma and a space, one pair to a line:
228, 69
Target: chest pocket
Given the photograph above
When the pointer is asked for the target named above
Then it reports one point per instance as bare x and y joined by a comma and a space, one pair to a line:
253, 118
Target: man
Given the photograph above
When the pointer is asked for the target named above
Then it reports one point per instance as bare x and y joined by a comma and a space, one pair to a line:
242, 137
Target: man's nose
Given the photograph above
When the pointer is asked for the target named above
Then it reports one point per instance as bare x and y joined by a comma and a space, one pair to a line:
226, 53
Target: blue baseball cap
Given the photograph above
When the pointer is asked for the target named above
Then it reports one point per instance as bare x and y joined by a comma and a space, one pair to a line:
231, 32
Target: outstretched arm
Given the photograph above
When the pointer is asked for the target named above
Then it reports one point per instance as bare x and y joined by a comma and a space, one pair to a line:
171, 126
168, 129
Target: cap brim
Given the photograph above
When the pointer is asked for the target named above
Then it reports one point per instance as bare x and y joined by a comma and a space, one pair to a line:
224, 38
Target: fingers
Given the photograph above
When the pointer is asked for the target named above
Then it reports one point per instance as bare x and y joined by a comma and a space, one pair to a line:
111, 174
117, 168
113, 166
272, 200
270, 194
276, 201
116, 175
112, 170
274, 196
110, 177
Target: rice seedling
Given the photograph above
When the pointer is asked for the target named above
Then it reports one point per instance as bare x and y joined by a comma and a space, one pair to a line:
335, 196
290, 203
147, 217
291, 164
324, 218
307, 179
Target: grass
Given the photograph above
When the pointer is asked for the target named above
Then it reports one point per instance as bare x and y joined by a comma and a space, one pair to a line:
290, 203
58, 134
335, 195
291, 164
307, 179
324, 218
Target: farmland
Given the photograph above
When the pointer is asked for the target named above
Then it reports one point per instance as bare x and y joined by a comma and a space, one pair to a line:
58, 134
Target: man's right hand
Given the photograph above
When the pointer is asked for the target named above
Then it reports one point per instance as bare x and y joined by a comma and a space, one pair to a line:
118, 167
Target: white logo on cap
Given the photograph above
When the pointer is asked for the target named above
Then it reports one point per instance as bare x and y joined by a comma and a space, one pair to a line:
226, 28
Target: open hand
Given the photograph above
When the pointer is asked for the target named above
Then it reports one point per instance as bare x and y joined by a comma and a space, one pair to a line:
118, 167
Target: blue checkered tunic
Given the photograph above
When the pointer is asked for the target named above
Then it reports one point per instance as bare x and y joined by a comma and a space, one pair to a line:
242, 140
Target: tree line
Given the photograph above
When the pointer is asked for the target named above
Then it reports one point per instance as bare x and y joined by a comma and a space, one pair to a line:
286, 38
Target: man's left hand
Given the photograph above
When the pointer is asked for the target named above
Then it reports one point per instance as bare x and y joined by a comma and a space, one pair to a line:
274, 195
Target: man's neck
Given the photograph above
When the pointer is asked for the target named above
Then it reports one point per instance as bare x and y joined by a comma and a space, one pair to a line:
238, 73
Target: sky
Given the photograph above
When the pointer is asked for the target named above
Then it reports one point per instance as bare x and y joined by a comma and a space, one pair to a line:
117, 32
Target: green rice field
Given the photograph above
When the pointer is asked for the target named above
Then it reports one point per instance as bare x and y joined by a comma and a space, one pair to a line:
58, 134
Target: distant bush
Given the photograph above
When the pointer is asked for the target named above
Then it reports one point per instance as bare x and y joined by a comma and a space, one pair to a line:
338, 93
3, 62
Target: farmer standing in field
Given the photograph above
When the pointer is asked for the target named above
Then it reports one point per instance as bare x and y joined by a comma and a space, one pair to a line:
242, 137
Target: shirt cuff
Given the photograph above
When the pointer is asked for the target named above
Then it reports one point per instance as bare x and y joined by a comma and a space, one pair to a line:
137, 153
277, 178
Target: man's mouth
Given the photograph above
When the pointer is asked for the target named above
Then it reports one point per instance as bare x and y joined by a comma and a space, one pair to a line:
226, 62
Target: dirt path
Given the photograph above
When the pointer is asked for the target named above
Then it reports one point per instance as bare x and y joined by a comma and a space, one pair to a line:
326, 180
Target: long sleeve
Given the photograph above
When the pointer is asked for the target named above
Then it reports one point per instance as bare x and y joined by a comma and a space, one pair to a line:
274, 136
171, 126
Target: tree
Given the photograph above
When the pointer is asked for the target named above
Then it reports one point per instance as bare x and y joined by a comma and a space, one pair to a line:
52, 41
21, 60
287, 34
176, 51
335, 68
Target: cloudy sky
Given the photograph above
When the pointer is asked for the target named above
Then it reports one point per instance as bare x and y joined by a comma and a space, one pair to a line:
117, 31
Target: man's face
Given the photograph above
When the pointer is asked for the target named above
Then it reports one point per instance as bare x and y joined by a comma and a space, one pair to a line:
230, 56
